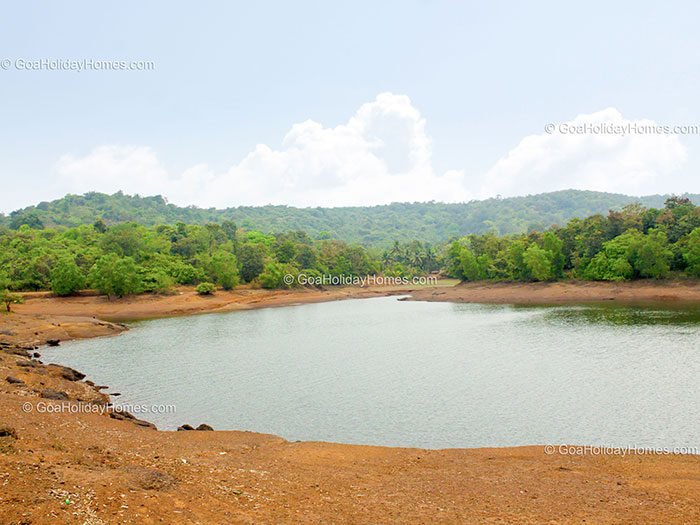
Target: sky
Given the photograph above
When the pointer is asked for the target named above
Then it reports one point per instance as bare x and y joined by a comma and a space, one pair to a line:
347, 103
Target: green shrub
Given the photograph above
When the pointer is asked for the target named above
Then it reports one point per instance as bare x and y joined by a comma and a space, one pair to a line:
66, 277
205, 288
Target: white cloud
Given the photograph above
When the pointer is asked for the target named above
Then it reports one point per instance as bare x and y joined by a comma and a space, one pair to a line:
114, 168
382, 155
632, 163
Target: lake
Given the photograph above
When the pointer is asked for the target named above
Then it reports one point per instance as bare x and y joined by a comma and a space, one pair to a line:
404, 373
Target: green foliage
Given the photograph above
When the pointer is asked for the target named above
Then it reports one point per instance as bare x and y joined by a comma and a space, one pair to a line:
538, 262
273, 276
100, 226
8, 298
224, 269
156, 280
113, 275
650, 255
185, 273
371, 226
252, 261
205, 288
516, 261
468, 265
631, 255
127, 258
553, 246
66, 277
691, 254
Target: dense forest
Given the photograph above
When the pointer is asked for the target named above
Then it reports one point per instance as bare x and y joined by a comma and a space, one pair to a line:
635, 242
370, 226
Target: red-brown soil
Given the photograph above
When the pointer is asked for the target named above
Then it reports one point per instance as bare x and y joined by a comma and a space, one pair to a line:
89, 468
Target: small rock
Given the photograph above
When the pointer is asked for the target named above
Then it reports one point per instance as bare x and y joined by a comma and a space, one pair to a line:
27, 364
36, 354
14, 380
204, 426
53, 342
185, 427
56, 395
122, 415
8, 432
149, 479
66, 372
16, 350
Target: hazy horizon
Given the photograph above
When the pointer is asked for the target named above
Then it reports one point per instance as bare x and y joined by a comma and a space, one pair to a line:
682, 194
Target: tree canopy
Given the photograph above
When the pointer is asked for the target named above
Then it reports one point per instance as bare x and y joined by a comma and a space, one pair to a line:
632, 243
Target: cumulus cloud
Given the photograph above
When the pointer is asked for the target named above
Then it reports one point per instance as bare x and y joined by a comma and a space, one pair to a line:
599, 151
382, 154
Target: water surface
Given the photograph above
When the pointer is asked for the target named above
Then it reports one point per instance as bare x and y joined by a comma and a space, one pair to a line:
389, 372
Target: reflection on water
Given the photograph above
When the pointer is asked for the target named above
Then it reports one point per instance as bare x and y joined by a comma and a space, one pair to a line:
617, 315
390, 372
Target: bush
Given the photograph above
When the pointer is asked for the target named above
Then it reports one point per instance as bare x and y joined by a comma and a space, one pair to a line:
275, 276
205, 288
156, 280
112, 275
7, 298
66, 277
184, 273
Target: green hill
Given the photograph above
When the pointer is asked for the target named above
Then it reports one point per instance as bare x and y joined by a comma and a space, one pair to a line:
369, 225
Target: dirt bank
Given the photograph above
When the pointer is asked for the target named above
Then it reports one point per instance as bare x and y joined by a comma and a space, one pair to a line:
670, 292
87, 468
84, 466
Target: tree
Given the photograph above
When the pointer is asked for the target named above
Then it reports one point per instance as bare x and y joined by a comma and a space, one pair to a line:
691, 253
651, 255
612, 262
277, 275
156, 280
66, 277
224, 269
251, 262
553, 246
112, 275
306, 256
100, 226
285, 251
469, 265
7, 298
516, 260
31, 219
537, 262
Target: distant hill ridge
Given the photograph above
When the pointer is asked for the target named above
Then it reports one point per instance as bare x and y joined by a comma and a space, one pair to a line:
369, 225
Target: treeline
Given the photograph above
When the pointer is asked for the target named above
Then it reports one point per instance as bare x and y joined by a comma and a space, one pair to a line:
379, 226
129, 258
633, 243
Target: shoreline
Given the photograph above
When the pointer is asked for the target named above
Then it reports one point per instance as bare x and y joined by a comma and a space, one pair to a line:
43, 316
667, 293
461, 484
